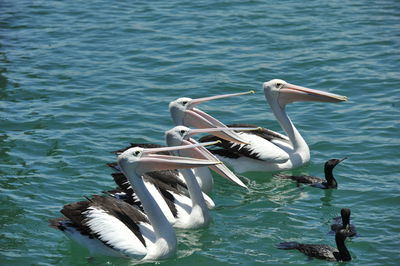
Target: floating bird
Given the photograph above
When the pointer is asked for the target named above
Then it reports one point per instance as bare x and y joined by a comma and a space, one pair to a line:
169, 183
183, 135
112, 227
265, 150
314, 181
320, 251
184, 206
184, 112
343, 222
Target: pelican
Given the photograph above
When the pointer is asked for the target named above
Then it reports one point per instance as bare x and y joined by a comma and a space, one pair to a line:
199, 215
112, 227
183, 112
266, 150
188, 209
183, 135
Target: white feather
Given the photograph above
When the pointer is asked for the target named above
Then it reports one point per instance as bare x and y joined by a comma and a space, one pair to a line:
160, 201
114, 232
265, 150
95, 246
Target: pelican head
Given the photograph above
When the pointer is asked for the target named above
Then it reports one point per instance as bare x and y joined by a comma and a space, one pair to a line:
177, 109
280, 92
181, 135
141, 160
184, 112
177, 135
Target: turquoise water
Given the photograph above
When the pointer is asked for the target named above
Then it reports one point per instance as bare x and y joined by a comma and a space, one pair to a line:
79, 79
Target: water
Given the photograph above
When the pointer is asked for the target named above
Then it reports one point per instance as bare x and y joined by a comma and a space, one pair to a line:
79, 79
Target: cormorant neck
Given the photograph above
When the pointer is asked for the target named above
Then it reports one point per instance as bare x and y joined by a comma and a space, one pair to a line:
343, 251
331, 181
345, 221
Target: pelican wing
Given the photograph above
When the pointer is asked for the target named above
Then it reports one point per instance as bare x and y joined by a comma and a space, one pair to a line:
113, 222
261, 145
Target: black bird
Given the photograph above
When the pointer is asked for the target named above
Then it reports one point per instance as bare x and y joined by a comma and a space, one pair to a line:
315, 181
343, 222
320, 251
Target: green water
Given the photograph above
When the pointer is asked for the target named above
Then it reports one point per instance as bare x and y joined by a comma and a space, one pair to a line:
79, 79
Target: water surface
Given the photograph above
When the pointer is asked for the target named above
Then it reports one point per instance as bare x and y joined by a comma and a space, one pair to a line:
79, 79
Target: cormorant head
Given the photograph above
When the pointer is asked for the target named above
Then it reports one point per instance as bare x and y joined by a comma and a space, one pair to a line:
330, 164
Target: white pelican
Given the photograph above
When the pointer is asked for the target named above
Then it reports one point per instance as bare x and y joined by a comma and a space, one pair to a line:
267, 150
112, 227
199, 215
184, 113
184, 209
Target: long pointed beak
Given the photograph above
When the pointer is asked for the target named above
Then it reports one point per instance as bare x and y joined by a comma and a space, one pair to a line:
150, 161
157, 162
202, 153
199, 119
293, 93
341, 160
193, 102
175, 148
219, 129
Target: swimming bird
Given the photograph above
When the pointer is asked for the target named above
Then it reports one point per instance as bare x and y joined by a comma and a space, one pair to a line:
167, 182
183, 135
184, 209
343, 222
183, 112
314, 181
112, 227
323, 252
266, 150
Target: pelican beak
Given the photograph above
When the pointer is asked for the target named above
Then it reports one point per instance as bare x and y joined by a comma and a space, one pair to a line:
194, 102
292, 93
219, 129
198, 119
202, 153
150, 161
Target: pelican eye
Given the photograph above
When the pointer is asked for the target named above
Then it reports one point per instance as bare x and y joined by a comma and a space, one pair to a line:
184, 103
278, 85
137, 153
182, 131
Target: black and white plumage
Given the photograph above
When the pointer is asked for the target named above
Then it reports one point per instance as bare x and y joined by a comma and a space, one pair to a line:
172, 196
226, 149
184, 113
314, 181
112, 227
321, 251
183, 202
262, 150
103, 224
343, 222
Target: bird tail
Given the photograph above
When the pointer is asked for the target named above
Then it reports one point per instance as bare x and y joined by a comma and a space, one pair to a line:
57, 223
283, 176
288, 245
